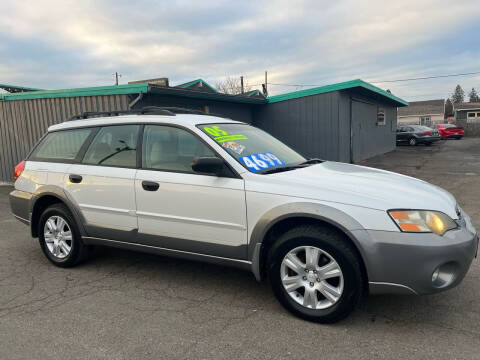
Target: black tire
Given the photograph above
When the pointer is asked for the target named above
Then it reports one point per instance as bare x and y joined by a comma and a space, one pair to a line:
412, 141
458, 137
336, 245
78, 250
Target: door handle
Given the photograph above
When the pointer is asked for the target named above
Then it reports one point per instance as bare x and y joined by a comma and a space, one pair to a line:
75, 178
150, 185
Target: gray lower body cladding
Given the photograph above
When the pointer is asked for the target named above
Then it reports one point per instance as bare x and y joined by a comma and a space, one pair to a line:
396, 262
20, 205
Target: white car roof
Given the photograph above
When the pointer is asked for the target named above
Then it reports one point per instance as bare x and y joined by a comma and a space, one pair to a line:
187, 120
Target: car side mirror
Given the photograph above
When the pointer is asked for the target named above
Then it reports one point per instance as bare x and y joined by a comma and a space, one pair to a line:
208, 165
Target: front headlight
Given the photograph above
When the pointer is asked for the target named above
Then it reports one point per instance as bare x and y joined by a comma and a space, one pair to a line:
422, 221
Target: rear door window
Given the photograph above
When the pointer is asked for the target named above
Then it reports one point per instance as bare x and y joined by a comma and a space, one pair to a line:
114, 145
61, 146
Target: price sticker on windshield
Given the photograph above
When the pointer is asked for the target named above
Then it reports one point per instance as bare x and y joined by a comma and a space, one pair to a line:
261, 161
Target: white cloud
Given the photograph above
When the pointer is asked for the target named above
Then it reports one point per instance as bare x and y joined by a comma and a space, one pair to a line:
298, 42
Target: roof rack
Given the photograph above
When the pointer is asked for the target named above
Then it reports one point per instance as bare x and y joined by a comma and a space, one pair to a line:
147, 110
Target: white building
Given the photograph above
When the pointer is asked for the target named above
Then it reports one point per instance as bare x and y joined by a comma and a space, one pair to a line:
426, 112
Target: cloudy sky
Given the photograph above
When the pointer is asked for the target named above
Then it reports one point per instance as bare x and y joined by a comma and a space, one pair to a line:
64, 44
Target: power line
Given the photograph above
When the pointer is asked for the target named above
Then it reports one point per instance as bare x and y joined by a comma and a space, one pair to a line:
427, 77
383, 81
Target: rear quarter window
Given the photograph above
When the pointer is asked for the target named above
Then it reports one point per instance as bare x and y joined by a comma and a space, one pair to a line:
60, 145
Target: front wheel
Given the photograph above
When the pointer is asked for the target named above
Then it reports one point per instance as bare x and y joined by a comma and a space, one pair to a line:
315, 274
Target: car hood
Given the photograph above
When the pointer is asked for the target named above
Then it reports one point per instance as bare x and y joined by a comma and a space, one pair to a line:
359, 186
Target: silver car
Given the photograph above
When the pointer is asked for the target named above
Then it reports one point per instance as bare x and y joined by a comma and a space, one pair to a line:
212, 189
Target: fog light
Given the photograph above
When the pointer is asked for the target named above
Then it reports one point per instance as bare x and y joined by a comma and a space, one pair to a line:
444, 275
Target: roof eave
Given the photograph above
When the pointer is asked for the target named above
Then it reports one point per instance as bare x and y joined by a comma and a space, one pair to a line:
358, 83
204, 95
90, 91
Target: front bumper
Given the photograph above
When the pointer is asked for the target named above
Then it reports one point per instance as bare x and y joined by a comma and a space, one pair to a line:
404, 263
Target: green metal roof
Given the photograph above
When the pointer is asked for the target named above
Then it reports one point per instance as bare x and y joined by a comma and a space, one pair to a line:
146, 88
90, 91
335, 87
194, 82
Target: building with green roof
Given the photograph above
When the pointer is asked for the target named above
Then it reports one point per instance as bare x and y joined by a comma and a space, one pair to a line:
348, 121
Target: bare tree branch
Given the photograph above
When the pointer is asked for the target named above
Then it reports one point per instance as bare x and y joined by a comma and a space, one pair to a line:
232, 85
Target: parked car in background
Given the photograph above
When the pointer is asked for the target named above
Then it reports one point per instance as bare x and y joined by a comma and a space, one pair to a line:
449, 131
416, 134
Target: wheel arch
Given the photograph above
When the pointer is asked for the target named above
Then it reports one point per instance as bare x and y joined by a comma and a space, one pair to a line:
47, 196
284, 217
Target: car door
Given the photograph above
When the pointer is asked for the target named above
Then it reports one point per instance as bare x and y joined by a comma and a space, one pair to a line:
102, 185
401, 134
183, 210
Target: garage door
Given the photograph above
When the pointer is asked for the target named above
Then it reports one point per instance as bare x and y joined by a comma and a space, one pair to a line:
363, 130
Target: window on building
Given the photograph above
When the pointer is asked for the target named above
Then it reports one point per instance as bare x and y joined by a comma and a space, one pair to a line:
171, 149
471, 115
61, 145
114, 146
425, 120
381, 116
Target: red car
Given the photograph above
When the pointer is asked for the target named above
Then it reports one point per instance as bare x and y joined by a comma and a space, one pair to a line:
449, 131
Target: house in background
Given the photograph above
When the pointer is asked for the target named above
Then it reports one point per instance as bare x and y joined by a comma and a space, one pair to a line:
467, 115
467, 112
428, 112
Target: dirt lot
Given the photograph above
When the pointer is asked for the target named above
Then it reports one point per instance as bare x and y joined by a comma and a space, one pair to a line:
125, 305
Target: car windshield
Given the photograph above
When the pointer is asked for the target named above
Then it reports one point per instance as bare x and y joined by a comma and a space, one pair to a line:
448, 126
255, 149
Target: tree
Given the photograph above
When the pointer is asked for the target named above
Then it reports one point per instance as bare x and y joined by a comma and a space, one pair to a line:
459, 95
232, 85
448, 108
473, 96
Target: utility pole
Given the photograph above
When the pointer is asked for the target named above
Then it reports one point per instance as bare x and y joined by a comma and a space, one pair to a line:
265, 85
241, 83
117, 75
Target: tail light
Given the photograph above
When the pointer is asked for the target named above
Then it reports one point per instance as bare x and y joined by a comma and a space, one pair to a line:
18, 170
427, 133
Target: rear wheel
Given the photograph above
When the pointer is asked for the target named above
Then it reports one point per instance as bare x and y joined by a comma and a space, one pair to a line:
59, 237
412, 142
315, 274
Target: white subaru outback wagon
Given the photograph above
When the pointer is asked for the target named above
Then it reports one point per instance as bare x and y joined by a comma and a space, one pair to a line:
212, 189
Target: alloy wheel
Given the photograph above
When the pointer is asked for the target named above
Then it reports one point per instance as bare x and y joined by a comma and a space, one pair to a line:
58, 237
312, 277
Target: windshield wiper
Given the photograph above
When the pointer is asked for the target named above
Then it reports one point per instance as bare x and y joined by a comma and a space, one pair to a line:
280, 169
291, 167
312, 161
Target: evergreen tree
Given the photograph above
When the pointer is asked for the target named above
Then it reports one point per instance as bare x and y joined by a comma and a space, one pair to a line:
448, 108
473, 96
459, 95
